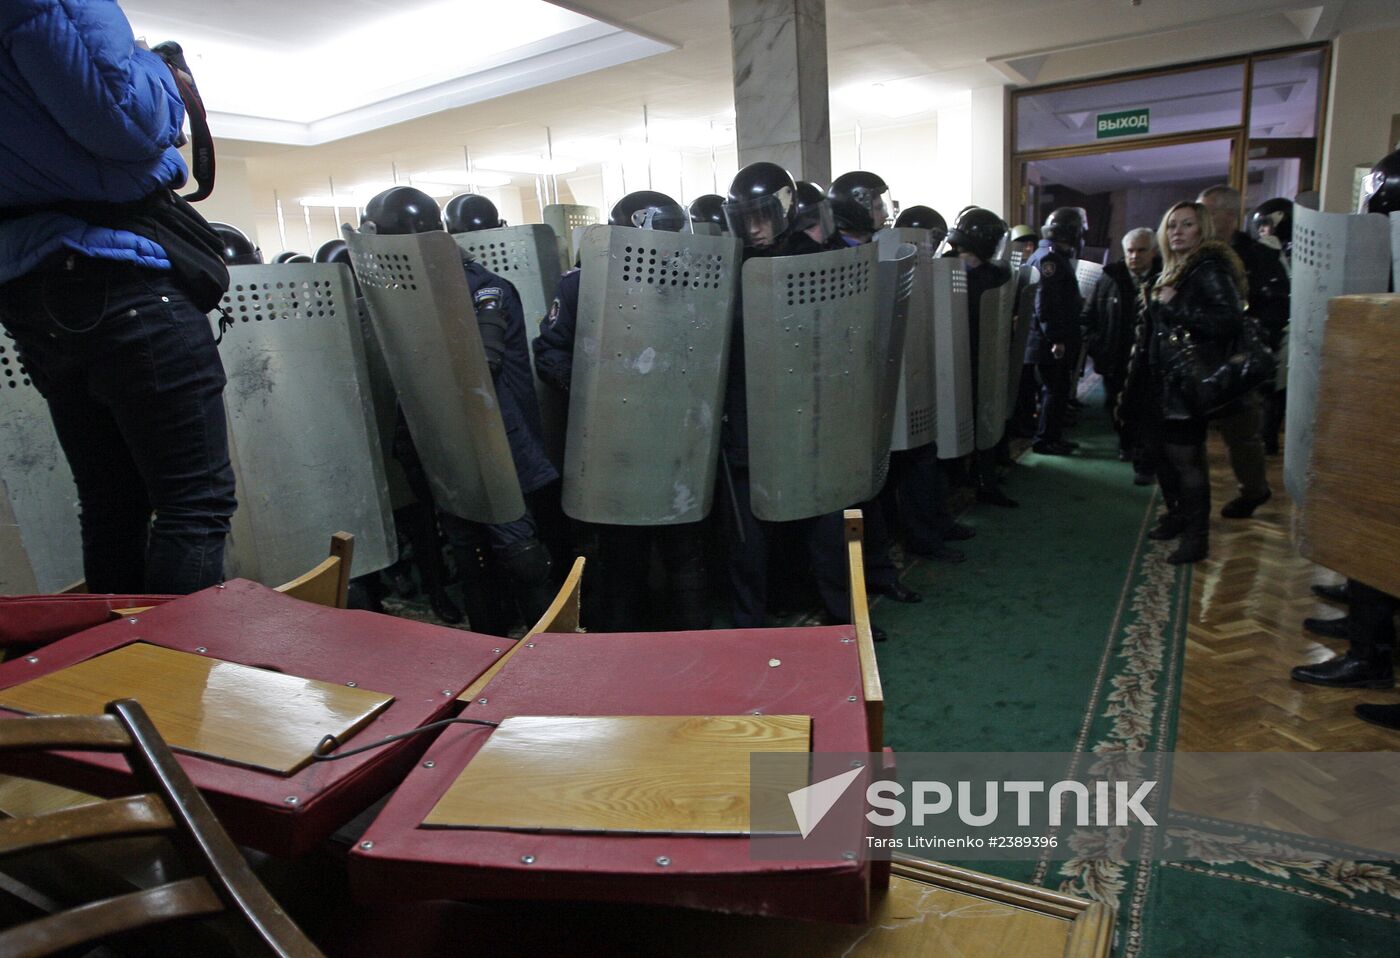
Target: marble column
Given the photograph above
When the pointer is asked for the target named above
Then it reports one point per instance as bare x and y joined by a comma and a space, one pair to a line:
780, 85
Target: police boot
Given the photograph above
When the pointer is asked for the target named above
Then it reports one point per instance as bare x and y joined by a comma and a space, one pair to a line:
689, 598
1386, 716
1365, 666
526, 564
484, 613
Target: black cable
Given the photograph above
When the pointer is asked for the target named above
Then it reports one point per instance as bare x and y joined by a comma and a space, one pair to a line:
322, 752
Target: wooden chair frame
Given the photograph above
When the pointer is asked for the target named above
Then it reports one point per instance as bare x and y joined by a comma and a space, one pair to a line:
171, 807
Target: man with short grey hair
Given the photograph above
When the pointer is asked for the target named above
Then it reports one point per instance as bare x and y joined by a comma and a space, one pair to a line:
1241, 429
1110, 320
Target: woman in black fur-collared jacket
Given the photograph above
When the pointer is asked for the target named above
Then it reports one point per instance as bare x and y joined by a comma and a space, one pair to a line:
1202, 290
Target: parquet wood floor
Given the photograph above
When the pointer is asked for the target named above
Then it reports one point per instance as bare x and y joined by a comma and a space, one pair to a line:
1248, 602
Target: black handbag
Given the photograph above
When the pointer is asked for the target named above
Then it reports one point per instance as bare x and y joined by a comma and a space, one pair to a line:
1208, 375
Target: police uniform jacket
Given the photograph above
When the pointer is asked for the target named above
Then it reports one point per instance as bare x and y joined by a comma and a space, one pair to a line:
554, 346
515, 384
1055, 315
1269, 285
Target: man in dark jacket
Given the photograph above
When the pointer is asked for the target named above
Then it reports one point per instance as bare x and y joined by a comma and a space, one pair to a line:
1110, 318
1268, 293
107, 331
1054, 340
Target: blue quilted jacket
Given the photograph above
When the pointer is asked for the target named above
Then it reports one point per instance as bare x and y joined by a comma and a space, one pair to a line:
85, 115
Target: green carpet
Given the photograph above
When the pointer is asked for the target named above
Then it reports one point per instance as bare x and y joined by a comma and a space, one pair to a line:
1064, 632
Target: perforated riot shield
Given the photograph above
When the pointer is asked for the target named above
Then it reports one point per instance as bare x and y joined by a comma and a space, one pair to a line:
564, 218
1334, 254
41, 549
994, 316
1027, 277
1088, 276
706, 229
914, 398
896, 285
421, 308
527, 256
655, 313
952, 359
304, 441
812, 380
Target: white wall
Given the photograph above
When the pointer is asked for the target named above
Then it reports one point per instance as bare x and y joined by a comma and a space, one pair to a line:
1363, 100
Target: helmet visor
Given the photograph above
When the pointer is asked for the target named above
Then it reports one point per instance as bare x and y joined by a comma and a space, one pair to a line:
665, 218
878, 205
816, 221
760, 221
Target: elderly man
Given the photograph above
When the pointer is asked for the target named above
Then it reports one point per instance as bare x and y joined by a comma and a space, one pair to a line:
1109, 319
1268, 280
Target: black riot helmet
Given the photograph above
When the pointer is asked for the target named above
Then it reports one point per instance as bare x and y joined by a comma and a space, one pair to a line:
977, 231
810, 208
298, 258
238, 249
860, 202
286, 256
1380, 190
403, 209
330, 252
1067, 225
469, 212
1273, 218
649, 210
924, 218
709, 209
759, 207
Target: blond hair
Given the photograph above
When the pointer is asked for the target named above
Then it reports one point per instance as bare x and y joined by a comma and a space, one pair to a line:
1171, 260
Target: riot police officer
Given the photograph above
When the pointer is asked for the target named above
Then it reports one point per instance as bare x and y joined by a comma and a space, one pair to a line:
1370, 622
924, 218
709, 209
515, 547
1023, 240
469, 212
621, 552
860, 201
975, 237
238, 249
759, 210
813, 224
1272, 225
1054, 339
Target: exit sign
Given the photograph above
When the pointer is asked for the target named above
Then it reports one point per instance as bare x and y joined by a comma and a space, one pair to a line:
1122, 123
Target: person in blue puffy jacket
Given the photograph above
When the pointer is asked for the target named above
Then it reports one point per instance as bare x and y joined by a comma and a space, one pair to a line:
101, 316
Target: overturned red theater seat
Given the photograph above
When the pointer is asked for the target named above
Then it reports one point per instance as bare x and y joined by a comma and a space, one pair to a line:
817, 673
30, 620
423, 666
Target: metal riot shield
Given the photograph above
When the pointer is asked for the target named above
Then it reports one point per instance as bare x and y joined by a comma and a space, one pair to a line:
1027, 277
994, 317
302, 430
421, 308
384, 400
706, 229
952, 359
896, 286
1088, 275
655, 312
41, 549
527, 256
1395, 248
564, 218
811, 376
1334, 254
915, 398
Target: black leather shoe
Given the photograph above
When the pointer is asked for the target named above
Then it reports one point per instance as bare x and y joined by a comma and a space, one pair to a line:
1168, 527
1332, 593
1190, 549
1386, 716
444, 608
1348, 671
941, 553
898, 593
958, 532
1052, 447
993, 496
1242, 507
1329, 628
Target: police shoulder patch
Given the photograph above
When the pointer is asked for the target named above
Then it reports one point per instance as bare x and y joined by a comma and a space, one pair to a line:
553, 313
1047, 267
488, 295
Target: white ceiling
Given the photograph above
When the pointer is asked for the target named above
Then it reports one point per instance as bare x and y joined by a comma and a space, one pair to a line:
930, 48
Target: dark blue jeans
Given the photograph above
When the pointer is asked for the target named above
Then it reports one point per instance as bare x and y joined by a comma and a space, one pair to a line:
135, 387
